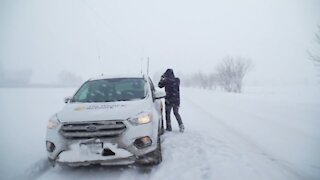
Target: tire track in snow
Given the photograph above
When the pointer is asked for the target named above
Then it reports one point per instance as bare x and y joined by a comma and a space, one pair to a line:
238, 138
35, 170
184, 157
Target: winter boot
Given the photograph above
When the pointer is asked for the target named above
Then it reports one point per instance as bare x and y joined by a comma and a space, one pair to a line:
169, 128
181, 126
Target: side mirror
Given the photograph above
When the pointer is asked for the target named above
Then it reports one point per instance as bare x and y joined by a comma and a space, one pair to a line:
67, 99
159, 94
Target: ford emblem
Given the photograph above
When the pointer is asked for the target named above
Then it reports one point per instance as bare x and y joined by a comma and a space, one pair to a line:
91, 128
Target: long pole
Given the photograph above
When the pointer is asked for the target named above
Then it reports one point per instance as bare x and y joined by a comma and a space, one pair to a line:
148, 66
141, 66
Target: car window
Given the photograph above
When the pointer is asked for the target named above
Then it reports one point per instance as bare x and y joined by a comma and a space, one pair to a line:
82, 95
108, 90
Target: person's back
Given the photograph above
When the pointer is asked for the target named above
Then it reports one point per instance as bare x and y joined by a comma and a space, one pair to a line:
172, 88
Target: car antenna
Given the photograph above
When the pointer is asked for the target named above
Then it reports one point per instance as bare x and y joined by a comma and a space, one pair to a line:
141, 66
148, 62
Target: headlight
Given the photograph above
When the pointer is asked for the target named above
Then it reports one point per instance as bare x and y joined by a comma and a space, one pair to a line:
53, 122
141, 119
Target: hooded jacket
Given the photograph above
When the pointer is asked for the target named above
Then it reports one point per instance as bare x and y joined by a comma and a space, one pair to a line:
172, 87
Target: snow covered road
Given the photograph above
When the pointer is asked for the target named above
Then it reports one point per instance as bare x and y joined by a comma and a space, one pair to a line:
223, 139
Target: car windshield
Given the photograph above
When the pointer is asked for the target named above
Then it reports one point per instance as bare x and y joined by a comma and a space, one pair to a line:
109, 90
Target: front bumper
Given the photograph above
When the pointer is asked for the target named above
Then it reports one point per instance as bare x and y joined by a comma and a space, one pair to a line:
119, 150
95, 154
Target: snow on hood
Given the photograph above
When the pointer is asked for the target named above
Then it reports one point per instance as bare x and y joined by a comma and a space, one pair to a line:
102, 111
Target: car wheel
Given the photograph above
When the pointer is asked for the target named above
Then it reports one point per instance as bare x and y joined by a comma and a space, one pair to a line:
161, 128
157, 154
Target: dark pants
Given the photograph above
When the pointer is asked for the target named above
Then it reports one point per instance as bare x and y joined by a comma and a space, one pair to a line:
175, 112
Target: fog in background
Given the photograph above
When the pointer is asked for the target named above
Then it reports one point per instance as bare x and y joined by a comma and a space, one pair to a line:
44, 41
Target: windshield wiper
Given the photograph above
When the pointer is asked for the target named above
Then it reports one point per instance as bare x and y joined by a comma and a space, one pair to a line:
123, 100
109, 100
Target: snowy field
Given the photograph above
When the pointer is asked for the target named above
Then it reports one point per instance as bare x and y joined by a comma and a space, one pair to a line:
264, 133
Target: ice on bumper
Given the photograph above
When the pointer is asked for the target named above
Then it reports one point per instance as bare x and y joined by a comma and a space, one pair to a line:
96, 152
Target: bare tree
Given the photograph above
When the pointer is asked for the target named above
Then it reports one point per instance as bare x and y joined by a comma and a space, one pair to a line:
231, 71
228, 75
213, 81
201, 80
315, 53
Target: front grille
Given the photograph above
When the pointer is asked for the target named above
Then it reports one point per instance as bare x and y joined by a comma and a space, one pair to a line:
95, 129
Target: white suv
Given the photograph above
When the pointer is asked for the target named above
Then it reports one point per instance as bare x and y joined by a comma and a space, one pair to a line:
108, 121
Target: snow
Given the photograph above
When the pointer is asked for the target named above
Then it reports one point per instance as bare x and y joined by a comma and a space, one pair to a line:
263, 133
84, 153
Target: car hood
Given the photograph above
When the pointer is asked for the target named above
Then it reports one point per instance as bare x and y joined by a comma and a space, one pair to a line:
121, 110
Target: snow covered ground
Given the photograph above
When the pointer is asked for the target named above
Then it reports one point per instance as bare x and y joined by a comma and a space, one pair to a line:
264, 133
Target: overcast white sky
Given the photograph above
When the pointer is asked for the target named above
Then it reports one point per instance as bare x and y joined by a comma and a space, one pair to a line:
49, 36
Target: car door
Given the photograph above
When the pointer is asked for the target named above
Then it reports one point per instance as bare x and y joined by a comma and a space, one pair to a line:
158, 105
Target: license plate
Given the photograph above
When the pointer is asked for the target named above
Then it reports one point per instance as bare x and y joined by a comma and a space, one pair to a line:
95, 148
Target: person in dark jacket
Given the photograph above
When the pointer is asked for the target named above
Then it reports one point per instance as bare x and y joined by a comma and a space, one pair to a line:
172, 100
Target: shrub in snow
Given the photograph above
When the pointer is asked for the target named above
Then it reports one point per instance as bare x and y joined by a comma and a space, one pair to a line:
230, 73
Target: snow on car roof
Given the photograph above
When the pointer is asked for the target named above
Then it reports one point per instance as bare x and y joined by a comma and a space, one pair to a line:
103, 76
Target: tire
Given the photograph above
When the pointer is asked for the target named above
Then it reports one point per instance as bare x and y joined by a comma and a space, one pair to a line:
161, 129
157, 154
161, 125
